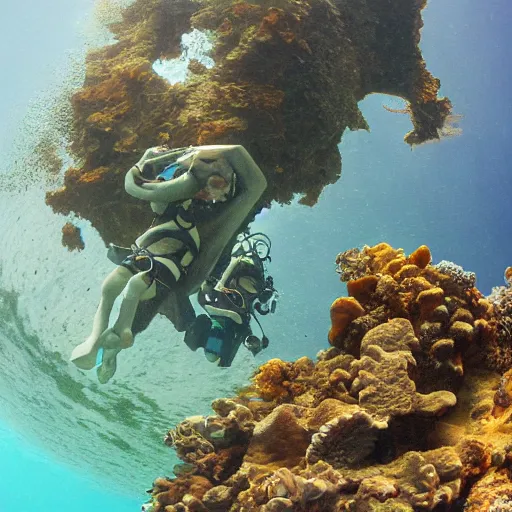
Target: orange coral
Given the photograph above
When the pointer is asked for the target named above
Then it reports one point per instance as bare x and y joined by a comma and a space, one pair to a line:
271, 381
491, 494
508, 275
343, 311
421, 257
382, 255
169, 492
363, 288
503, 396
430, 299
72, 237
348, 436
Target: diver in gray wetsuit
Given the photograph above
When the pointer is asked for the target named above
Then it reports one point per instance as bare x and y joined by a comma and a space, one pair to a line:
231, 301
201, 197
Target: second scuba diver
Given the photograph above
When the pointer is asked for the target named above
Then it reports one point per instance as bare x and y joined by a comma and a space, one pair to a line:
201, 197
230, 302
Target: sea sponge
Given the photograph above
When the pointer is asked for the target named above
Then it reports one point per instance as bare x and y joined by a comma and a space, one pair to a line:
430, 299
421, 257
343, 311
363, 288
271, 380
443, 349
385, 259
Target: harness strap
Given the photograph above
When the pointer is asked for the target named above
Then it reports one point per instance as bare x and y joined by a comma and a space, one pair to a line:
157, 270
181, 235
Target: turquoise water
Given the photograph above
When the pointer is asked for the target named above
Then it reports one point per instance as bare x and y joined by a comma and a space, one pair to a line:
31, 480
100, 446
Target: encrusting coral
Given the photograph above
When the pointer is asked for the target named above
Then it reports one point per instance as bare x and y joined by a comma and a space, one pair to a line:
405, 412
500, 351
286, 82
72, 237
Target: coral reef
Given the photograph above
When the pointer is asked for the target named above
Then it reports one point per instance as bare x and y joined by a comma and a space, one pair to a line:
499, 352
404, 412
286, 83
449, 316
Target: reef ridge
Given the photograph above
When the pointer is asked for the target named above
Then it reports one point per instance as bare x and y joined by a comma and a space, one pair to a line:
408, 410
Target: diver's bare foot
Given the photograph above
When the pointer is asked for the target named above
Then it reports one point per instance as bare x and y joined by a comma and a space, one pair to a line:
84, 355
108, 366
126, 338
110, 339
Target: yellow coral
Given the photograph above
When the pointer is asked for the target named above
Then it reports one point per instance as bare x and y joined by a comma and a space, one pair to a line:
271, 381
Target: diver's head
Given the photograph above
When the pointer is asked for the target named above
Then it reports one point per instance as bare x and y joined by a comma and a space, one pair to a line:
217, 189
213, 173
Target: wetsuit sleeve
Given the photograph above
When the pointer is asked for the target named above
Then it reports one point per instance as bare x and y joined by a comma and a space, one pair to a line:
179, 189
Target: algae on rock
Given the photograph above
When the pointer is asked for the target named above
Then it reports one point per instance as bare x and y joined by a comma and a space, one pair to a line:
286, 83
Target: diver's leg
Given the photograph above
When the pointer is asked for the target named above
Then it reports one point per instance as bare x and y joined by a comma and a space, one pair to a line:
140, 287
84, 355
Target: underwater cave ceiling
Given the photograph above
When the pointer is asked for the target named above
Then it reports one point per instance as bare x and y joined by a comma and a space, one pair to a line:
286, 83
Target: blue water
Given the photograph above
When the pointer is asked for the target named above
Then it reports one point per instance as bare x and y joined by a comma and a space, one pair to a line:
454, 196
31, 480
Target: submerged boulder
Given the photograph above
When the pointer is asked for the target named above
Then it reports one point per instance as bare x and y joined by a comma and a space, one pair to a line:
286, 82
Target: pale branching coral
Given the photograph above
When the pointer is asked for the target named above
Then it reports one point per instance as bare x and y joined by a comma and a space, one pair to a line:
460, 277
352, 264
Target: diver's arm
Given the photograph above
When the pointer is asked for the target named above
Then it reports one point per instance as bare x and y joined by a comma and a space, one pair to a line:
179, 189
250, 180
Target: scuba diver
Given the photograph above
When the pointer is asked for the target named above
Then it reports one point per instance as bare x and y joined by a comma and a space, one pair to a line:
232, 300
201, 197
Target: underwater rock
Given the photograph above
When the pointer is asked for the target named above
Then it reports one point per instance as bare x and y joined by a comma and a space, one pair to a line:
285, 84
